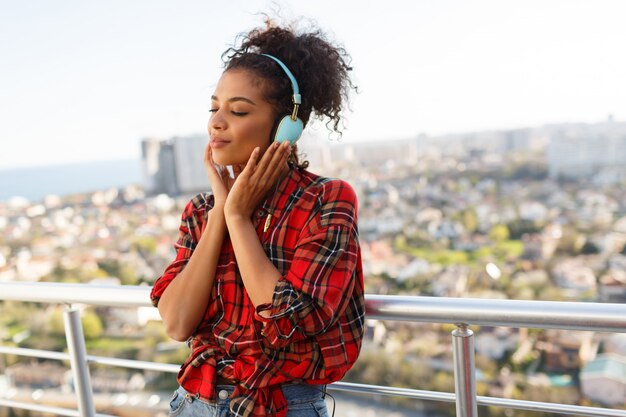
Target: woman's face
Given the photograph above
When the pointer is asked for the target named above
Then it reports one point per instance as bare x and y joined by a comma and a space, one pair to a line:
241, 119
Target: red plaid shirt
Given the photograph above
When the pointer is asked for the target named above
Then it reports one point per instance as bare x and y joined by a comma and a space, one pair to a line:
316, 321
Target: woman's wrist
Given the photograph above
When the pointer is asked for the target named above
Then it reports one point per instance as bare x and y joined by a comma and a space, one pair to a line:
235, 219
215, 219
219, 203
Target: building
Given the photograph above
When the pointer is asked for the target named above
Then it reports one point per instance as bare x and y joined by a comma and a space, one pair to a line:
150, 149
191, 175
174, 166
324, 154
584, 151
603, 380
565, 351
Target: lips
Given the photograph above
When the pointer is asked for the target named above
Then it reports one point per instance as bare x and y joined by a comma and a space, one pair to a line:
218, 142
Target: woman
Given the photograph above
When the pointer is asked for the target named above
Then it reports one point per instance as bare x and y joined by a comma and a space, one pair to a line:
266, 286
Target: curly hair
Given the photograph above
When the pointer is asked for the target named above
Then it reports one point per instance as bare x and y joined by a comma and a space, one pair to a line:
321, 69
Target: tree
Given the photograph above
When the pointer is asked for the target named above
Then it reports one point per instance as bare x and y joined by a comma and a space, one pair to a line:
499, 233
469, 219
520, 227
56, 325
570, 243
589, 248
113, 268
128, 275
92, 325
145, 245
443, 381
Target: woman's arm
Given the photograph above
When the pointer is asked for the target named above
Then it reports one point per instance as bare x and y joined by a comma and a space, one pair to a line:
324, 282
184, 301
258, 273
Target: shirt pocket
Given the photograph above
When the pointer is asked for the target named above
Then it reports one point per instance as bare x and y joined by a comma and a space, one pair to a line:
280, 247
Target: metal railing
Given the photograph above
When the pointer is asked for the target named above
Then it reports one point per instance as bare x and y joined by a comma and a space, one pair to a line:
462, 312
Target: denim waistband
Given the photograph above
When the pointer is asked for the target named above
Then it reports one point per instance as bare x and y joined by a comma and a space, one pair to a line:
294, 393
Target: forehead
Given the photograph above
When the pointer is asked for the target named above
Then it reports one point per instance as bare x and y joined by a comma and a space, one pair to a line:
239, 83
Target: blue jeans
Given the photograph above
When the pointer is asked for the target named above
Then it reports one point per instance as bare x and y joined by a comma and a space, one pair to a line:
302, 401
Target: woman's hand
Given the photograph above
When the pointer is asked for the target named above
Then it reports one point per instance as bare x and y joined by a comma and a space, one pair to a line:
219, 178
255, 181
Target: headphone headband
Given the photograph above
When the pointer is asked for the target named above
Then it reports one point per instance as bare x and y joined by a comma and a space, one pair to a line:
289, 127
294, 84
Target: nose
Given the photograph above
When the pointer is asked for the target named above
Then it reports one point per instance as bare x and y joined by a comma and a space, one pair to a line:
216, 121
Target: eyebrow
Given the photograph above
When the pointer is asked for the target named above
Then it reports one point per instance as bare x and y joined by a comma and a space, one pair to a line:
247, 100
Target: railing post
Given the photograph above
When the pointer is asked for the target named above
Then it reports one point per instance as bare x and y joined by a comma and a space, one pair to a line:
464, 371
78, 360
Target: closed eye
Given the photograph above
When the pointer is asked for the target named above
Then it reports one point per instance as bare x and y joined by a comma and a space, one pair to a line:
234, 113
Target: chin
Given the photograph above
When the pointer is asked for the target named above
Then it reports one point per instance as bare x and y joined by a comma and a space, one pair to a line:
225, 160
222, 158
220, 161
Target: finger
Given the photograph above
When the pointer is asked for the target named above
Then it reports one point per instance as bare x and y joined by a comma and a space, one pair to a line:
214, 171
210, 153
278, 161
208, 159
207, 154
267, 157
251, 165
272, 167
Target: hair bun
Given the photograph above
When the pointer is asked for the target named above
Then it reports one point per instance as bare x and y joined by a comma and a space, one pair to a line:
321, 69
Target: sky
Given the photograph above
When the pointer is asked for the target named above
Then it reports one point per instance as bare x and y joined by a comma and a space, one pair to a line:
86, 81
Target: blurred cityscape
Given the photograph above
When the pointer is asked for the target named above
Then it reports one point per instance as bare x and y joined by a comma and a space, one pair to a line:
537, 213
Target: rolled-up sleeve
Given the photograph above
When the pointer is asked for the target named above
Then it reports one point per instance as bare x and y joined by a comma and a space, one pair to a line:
191, 227
320, 281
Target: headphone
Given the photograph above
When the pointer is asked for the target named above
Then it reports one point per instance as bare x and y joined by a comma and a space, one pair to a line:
289, 127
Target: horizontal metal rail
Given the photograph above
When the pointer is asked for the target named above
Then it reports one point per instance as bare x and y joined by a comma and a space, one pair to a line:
62, 293
485, 312
599, 317
101, 360
59, 411
485, 401
343, 386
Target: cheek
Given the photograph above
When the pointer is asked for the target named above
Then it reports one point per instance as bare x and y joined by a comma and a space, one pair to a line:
257, 134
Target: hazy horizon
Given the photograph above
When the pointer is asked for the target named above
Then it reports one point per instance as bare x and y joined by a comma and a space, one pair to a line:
138, 156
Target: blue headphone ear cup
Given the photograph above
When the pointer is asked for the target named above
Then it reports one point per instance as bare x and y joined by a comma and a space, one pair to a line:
288, 130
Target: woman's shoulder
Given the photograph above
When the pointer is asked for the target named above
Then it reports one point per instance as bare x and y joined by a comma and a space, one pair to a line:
330, 201
327, 188
198, 205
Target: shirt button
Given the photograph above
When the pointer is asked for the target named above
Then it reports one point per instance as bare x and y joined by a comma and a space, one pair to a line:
223, 394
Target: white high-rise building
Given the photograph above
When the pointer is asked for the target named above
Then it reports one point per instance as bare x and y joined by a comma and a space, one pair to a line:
189, 162
585, 153
150, 149
174, 166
